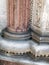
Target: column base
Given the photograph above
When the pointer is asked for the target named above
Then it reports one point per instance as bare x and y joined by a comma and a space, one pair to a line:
16, 36
40, 50
39, 37
23, 60
12, 47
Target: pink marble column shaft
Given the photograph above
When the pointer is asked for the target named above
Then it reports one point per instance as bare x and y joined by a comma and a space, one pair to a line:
18, 19
18, 15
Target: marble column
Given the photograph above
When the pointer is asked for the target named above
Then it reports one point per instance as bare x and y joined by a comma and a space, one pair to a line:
18, 19
40, 20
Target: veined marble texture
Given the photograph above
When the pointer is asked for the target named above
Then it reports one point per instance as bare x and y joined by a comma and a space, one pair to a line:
18, 18
18, 11
23, 57
3, 14
40, 20
40, 15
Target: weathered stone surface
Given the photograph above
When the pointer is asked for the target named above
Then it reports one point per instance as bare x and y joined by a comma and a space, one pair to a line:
18, 18
40, 20
19, 13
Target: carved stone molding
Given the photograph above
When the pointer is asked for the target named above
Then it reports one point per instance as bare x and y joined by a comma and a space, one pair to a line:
40, 20
24, 60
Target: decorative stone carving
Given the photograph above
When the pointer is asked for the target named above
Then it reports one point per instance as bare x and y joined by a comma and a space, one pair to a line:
24, 60
16, 51
18, 19
40, 20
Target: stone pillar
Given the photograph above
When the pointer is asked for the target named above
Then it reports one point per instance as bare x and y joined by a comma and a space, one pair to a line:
18, 19
40, 20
